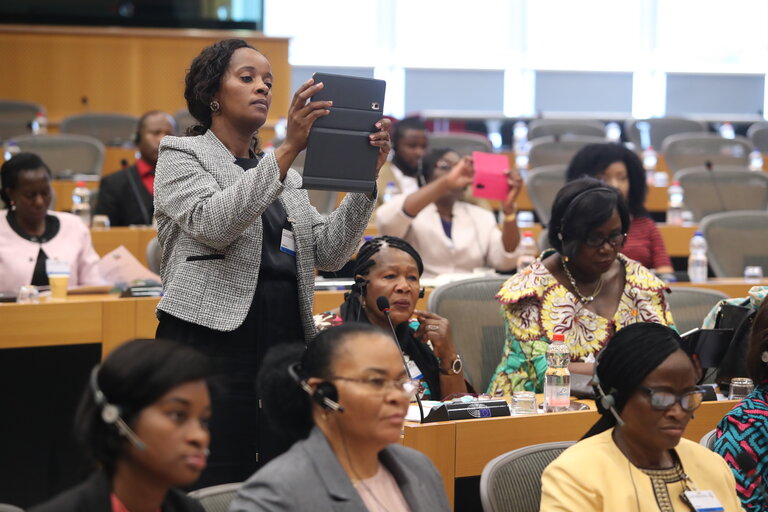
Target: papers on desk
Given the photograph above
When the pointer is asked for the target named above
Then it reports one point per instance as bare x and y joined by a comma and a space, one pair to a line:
413, 409
120, 266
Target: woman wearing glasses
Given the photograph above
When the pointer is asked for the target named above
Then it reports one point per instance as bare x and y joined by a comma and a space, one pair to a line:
452, 235
636, 456
344, 399
584, 289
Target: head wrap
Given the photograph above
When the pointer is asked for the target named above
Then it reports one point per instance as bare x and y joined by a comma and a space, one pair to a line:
633, 353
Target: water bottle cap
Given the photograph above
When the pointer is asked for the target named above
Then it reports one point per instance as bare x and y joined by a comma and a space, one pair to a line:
675, 183
528, 233
390, 183
558, 337
80, 184
698, 233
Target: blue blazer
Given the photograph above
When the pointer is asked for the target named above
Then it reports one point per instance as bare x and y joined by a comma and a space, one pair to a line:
308, 477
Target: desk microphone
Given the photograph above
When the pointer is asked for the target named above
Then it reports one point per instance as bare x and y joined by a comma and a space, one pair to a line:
383, 304
715, 184
748, 465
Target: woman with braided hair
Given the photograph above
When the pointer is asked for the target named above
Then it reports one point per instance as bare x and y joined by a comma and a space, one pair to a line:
634, 458
390, 267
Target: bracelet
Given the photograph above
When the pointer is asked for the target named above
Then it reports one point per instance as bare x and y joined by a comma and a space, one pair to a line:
511, 217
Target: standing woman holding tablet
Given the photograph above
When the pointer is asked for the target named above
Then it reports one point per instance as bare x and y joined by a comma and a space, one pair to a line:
240, 239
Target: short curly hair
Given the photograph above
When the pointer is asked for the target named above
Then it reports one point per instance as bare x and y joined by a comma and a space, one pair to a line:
203, 80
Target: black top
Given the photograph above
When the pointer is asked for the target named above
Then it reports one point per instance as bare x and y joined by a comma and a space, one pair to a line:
124, 199
52, 226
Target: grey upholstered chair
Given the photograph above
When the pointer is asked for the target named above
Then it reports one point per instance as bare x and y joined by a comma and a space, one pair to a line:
695, 149
560, 127
16, 117
217, 497
736, 240
660, 128
708, 192
66, 155
758, 136
154, 255
183, 121
462, 143
543, 184
476, 322
708, 439
111, 129
690, 305
512, 481
558, 150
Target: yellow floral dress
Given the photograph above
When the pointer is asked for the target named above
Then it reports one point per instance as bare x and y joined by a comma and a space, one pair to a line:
536, 306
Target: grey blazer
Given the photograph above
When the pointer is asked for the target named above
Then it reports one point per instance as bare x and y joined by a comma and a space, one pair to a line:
208, 213
308, 477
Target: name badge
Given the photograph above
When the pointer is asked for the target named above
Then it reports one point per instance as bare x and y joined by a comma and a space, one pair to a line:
413, 368
287, 243
702, 501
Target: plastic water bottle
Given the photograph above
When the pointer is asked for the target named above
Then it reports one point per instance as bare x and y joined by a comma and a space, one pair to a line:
520, 135
557, 380
526, 251
390, 191
81, 202
727, 131
650, 160
755, 160
613, 132
40, 124
697, 259
675, 205
10, 150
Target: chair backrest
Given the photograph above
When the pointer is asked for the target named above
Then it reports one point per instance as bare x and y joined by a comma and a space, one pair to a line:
111, 129
462, 143
16, 117
66, 155
154, 255
696, 149
659, 129
183, 121
543, 184
708, 439
758, 136
690, 305
559, 127
217, 497
5, 507
543, 241
512, 481
736, 240
476, 322
708, 192
558, 150
323, 200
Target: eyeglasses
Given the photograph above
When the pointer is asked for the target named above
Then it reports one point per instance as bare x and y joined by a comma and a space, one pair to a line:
378, 385
615, 239
443, 165
663, 400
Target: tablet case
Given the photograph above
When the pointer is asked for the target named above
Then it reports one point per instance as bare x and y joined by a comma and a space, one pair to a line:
339, 154
490, 182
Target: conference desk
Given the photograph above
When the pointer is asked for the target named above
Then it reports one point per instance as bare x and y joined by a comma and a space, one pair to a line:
463, 448
133, 238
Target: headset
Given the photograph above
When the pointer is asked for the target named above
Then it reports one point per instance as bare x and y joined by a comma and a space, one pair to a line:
607, 402
111, 414
325, 394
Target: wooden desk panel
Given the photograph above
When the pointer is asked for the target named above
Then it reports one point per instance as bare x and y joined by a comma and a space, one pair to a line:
731, 286
135, 239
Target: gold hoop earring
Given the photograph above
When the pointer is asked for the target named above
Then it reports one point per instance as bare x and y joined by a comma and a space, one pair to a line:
215, 106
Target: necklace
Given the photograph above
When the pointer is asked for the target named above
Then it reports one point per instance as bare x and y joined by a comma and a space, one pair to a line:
583, 298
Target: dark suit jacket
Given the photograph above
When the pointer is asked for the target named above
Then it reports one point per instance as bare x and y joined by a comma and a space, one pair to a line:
308, 477
125, 199
93, 496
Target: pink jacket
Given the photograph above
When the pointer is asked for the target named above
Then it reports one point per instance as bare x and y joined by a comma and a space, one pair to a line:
72, 243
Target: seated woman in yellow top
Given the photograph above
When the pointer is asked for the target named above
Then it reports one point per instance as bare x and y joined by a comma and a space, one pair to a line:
642, 463
584, 289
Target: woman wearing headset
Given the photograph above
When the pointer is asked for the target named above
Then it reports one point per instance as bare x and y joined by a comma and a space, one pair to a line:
344, 400
584, 289
634, 458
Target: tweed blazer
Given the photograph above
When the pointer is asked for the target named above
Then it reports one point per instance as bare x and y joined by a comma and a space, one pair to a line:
309, 477
208, 213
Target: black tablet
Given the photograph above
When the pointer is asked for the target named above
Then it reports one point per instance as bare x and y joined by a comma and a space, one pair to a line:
339, 154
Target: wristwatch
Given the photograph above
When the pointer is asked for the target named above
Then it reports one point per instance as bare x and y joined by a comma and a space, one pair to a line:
455, 367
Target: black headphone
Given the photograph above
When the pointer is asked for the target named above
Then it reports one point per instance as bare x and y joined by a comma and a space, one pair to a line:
325, 394
111, 414
421, 292
572, 203
607, 402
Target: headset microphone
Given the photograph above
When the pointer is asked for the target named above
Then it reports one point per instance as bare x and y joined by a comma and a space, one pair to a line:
608, 402
325, 394
383, 304
111, 414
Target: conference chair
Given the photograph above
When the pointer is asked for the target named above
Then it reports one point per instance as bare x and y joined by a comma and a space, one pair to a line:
696, 149
543, 241
217, 497
512, 481
111, 129
708, 439
660, 128
558, 150
67, 155
560, 127
708, 192
154, 255
477, 324
736, 240
690, 305
16, 117
542, 185
462, 143
184, 120
758, 136
5, 507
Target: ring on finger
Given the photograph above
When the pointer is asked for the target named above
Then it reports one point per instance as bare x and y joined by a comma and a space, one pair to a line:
433, 327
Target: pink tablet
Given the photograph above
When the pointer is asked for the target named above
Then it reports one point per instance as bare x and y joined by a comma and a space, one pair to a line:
490, 180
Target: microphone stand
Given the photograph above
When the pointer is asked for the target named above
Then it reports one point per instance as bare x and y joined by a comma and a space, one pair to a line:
715, 184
